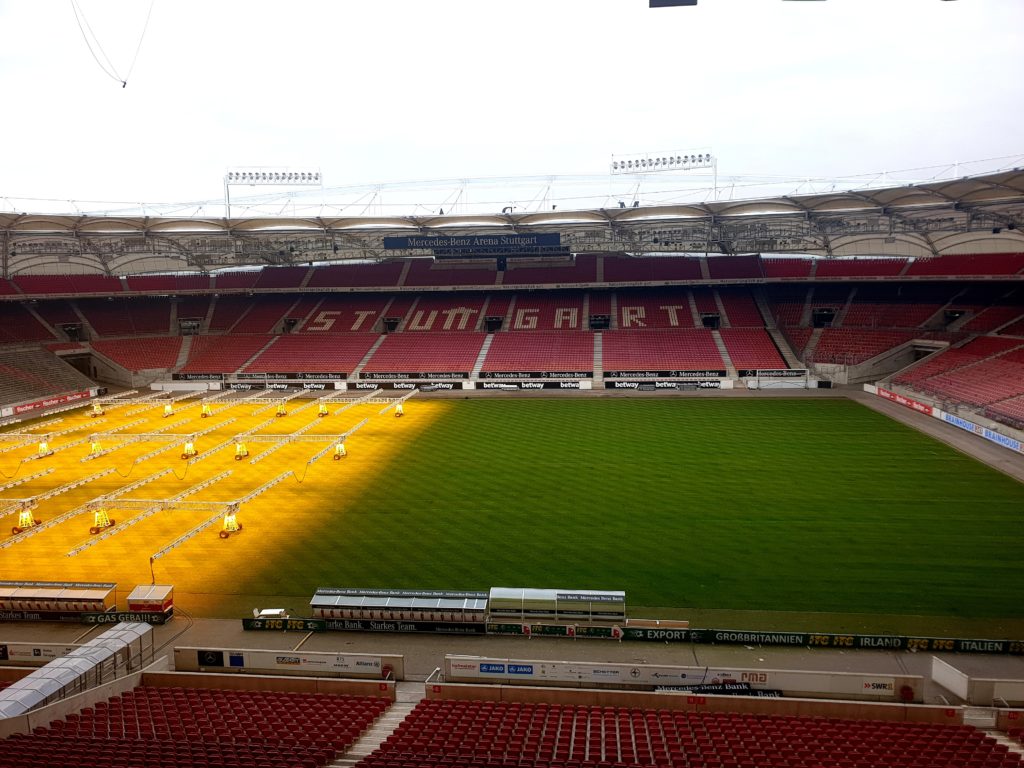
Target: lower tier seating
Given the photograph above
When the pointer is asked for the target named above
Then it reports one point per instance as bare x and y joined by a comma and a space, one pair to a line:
660, 349
314, 353
751, 348
222, 354
425, 352
198, 728
540, 351
31, 374
474, 733
853, 345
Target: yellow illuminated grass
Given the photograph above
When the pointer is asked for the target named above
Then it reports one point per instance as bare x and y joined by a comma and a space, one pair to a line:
209, 573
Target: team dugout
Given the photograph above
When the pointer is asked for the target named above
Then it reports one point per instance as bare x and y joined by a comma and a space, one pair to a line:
558, 604
399, 605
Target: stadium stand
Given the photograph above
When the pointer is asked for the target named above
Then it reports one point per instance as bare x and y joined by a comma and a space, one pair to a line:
548, 310
227, 310
7, 288
666, 308
424, 352
704, 299
977, 264
153, 727
798, 338
56, 313
281, 277
849, 346
529, 272
787, 303
955, 358
236, 280
28, 374
266, 314
786, 268
121, 317
68, 284
988, 319
141, 354
539, 351
339, 313
831, 268
427, 272
684, 349
17, 324
383, 275
895, 306
193, 307
168, 283
740, 309
751, 348
626, 269
223, 354
735, 267
541, 735
314, 353
446, 312
998, 376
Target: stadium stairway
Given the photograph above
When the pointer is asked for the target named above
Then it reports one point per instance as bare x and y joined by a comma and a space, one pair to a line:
730, 369
172, 319
1001, 738
598, 358
39, 319
262, 349
354, 376
90, 332
792, 361
482, 356
408, 695
183, 353
761, 300
812, 343
694, 312
506, 324
722, 314
842, 313
205, 329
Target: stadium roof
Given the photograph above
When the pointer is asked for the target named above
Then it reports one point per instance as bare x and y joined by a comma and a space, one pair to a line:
979, 214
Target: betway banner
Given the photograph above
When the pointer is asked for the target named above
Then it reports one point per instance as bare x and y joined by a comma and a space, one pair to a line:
50, 402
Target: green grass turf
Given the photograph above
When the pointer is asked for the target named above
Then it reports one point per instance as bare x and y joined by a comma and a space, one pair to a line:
749, 504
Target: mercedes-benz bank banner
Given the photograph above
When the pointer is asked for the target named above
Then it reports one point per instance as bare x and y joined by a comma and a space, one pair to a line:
793, 683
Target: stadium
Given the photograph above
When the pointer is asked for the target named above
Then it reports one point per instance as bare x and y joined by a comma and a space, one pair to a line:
731, 482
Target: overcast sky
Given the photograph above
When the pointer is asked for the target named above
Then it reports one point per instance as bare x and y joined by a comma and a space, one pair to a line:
395, 90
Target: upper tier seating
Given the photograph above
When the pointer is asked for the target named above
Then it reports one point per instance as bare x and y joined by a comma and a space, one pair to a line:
452, 352
222, 354
141, 354
786, 268
69, 284
169, 283
314, 353
895, 306
787, 303
199, 728
660, 349
34, 373
849, 346
428, 272
18, 324
357, 275
57, 313
981, 264
281, 277
664, 308
446, 312
7, 288
626, 269
548, 310
540, 735
529, 272
121, 317
751, 348
540, 351
734, 267
193, 307
239, 279
828, 268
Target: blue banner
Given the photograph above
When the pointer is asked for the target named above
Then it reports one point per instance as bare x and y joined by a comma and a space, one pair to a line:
475, 243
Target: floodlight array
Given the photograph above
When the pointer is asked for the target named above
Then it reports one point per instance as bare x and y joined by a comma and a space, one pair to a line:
152, 509
262, 177
157, 403
108, 404
335, 440
358, 401
662, 162
270, 402
283, 440
129, 439
207, 523
29, 503
392, 403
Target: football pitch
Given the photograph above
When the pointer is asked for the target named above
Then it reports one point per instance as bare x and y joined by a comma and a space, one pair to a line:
763, 507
